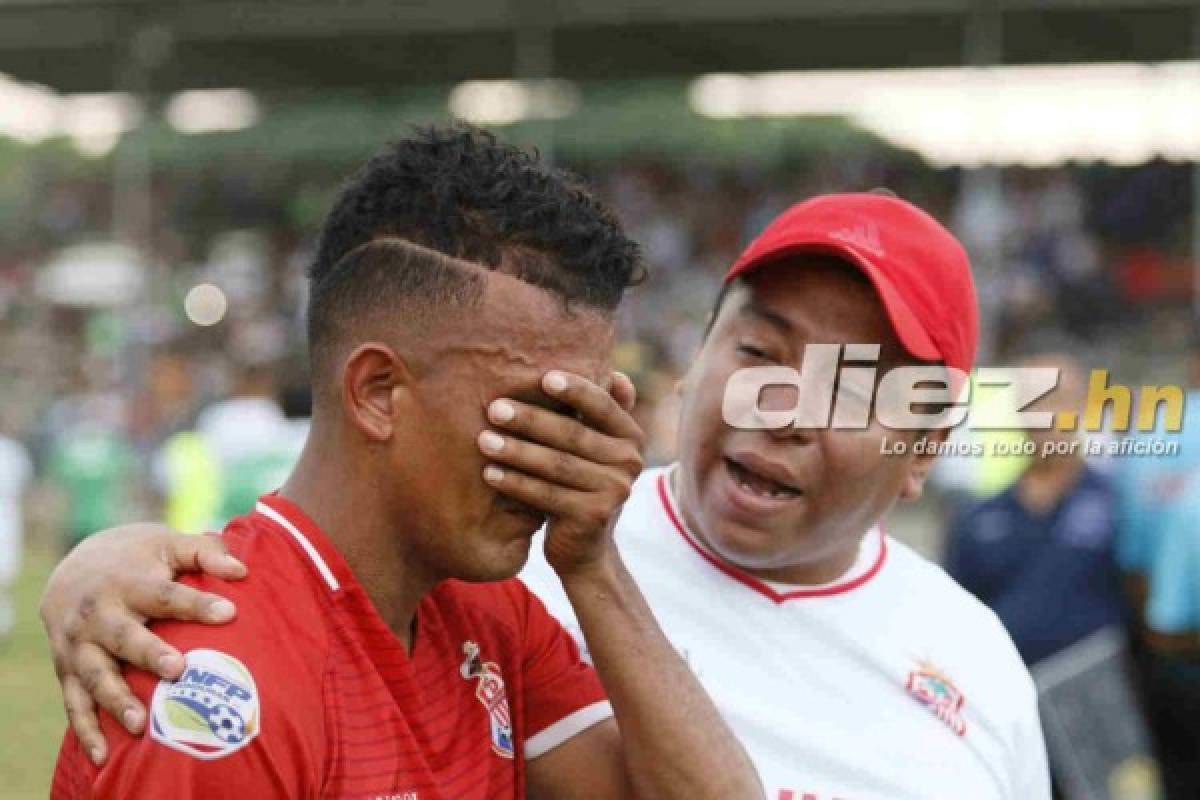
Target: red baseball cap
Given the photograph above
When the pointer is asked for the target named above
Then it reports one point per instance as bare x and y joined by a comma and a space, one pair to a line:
917, 267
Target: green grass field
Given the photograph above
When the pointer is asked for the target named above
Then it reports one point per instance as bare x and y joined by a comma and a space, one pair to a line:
29, 700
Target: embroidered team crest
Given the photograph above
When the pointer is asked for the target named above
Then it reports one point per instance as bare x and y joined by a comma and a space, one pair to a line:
934, 690
492, 695
211, 711
865, 236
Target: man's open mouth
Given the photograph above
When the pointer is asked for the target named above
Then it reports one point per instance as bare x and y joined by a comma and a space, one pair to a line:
758, 484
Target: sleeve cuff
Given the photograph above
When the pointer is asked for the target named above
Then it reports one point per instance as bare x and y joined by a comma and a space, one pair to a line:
569, 726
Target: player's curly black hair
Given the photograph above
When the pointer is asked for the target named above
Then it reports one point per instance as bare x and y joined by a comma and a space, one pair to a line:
460, 191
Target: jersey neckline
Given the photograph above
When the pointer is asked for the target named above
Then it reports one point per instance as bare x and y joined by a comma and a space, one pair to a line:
838, 587
312, 541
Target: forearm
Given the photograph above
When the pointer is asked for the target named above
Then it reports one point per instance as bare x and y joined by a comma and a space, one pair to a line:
675, 743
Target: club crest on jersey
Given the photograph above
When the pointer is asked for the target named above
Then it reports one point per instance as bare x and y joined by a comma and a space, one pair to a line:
490, 691
211, 711
934, 690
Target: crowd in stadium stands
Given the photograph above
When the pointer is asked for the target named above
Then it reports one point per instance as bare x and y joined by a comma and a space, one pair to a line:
109, 414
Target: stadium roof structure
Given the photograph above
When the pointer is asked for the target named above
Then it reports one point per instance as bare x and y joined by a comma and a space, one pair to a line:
89, 45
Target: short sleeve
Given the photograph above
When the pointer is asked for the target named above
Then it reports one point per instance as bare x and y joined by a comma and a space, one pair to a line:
562, 693
247, 713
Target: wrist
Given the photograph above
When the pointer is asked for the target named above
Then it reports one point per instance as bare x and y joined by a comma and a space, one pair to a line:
601, 573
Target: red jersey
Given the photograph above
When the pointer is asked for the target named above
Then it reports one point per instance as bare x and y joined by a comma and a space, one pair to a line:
308, 693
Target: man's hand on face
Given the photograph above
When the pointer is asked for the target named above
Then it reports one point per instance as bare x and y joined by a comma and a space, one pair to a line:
95, 606
578, 470
577, 464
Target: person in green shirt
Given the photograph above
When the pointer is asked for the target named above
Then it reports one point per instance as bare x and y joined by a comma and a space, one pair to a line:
95, 469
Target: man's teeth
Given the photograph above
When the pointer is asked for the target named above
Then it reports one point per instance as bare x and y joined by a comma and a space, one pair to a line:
759, 485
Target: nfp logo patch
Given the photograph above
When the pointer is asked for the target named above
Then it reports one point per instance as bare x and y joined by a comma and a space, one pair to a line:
211, 711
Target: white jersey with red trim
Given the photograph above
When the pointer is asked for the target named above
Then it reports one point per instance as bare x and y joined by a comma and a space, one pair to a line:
892, 683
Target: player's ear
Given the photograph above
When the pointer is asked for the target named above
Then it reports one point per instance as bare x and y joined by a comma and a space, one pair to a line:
918, 468
375, 380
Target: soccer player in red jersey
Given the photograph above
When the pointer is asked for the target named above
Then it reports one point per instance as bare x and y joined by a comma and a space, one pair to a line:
459, 326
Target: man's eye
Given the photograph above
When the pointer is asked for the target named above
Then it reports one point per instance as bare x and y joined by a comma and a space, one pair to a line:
750, 351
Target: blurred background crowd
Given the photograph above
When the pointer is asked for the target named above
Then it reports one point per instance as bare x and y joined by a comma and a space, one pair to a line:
111, 352
151, 329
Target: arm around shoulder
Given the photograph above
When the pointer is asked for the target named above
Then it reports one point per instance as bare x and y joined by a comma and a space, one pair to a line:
239, 718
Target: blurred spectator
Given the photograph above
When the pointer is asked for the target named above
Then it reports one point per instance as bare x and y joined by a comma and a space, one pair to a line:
241, 447
166, 403
1150, 490
1040, 553
253, 442
16, 472
1159, 555
1172, 631
95, 468
187, 475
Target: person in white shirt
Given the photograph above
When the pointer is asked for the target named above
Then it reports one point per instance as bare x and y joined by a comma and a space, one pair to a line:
16, 471
849, 667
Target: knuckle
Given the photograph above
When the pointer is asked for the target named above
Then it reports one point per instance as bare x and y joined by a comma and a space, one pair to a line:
92, 680
579, 437
625, 457
598, 513
120, 637
551, 495
72, 629
109, 693
617, 484
564, 466
60, 662
87, 606
628, 456
165, 593
76, 715
120, 696
77, 706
